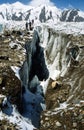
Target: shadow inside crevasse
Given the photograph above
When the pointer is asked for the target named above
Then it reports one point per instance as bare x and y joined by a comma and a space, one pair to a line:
33, 71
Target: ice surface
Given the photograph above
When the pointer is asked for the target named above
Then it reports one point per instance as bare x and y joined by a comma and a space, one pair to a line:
16, 118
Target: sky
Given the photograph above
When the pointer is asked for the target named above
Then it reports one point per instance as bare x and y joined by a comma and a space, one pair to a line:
78, 4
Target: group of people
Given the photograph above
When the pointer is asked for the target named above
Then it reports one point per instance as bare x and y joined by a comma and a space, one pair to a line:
29, 25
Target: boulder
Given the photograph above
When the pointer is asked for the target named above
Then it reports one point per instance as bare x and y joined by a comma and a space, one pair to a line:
56, 84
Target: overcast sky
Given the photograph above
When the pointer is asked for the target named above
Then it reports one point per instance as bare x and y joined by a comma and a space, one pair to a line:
78, 4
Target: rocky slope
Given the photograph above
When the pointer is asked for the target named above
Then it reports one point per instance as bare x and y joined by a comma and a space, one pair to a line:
12, 56
21, 95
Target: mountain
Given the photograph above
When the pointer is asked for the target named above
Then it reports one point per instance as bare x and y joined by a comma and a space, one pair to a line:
39, 12
72, 15
19, 12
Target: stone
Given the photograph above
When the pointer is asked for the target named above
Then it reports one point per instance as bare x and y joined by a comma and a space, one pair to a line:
58, 124
74, 124
7, 40
47, 124
41, 122
56, 84
46, 118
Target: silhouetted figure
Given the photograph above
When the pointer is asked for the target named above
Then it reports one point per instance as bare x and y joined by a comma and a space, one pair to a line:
32, 21
30, 25
26, 25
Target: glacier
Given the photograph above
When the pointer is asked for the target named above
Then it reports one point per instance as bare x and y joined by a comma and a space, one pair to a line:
63, 44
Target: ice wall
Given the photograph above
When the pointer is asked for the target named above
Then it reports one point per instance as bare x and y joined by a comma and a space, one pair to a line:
64, 55
31, 73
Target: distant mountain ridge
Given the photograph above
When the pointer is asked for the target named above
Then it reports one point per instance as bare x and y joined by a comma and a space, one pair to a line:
72, 15
20, 12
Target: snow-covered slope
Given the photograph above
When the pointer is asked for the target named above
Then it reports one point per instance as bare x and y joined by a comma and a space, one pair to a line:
18, 12
72, 15
39, 11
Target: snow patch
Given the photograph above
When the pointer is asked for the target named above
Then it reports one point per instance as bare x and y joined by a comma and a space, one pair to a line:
16, 71
54, 73
16, 118
62, 107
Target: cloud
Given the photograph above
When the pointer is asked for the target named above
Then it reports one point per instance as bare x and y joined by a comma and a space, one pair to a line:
40, 2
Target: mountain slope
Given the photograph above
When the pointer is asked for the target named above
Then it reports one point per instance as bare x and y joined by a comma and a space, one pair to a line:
72, 15
39, 12
18, 12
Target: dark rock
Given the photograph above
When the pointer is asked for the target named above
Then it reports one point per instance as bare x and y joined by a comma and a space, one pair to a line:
42, 16
17, 18
11, 84
72, 17
4, 58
